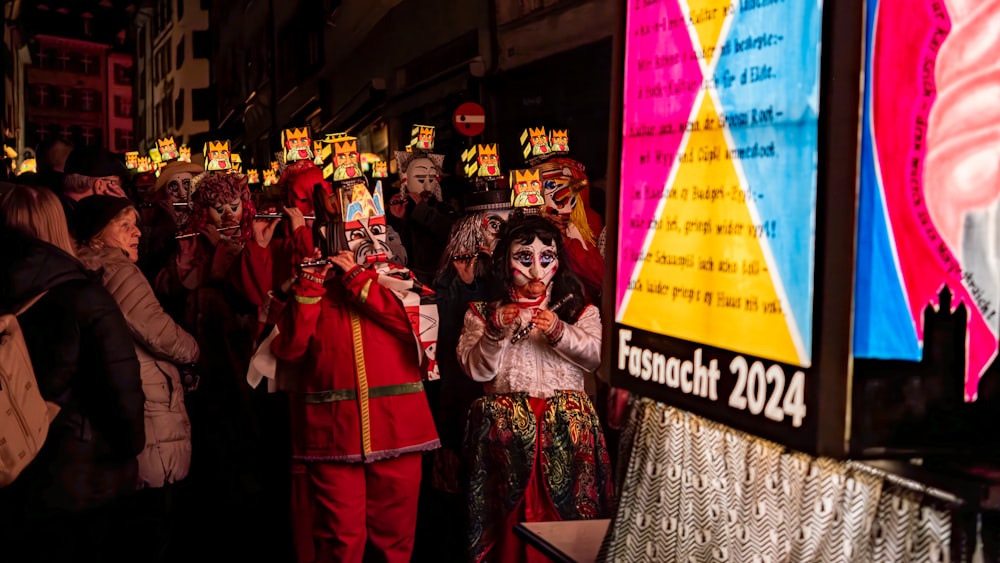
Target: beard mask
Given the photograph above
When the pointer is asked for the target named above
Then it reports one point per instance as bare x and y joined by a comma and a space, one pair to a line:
423, 180
533, 265
367, 239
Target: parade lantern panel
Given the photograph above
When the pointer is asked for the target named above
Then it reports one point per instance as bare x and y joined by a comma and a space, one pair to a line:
716, 254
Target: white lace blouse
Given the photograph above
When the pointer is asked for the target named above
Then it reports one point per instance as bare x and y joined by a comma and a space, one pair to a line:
532, 366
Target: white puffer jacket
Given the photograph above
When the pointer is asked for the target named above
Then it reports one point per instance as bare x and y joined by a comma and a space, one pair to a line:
159, 344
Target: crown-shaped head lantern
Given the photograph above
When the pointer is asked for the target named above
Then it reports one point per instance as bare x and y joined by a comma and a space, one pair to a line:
237, 161
168, 149
253, 176
184, 154
559, 141
380, 169
489, 161
155, 156
361, 204
132, 160
527, 189
346, 159
217, 156
144, 164
422, 137
534, 142
297, 143
270, 178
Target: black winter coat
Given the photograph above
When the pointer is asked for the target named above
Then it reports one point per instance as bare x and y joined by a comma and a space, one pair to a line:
84, 359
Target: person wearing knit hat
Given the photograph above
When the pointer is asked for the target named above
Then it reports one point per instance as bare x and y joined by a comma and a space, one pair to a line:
164, 208
109, 237
106, 220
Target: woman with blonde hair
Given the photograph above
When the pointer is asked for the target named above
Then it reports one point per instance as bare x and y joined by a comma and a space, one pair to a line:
71, 502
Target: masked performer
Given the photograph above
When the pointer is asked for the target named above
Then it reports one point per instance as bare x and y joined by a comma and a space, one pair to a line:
359, 347
418, 213
534, 444
163, 210
567, 206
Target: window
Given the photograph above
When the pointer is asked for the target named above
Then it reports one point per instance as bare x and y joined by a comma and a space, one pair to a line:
141, 39
179, 109
89, 65
165, 52
65, 97
202, 104
123, 106
168, 116
142, 89
180, 47
43, 58
41, 95
88, 135
63, 61
124, 140
180, 13
156, 119
201, 43
123, 74
206, 4
90, 100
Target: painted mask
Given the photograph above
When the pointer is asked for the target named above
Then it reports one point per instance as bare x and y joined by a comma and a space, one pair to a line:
493, 221
562, 179
533, 265
365, 225
179, 187
226, 213
422, 179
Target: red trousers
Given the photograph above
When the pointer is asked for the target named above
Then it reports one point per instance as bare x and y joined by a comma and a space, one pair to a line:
351, 503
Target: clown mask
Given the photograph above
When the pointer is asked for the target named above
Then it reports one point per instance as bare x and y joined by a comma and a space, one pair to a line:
367, 239
422, 180
533, 265
179, 188
226, 214
561, 188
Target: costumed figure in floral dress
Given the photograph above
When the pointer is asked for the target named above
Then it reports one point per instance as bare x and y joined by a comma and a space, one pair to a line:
357, 344
534, 443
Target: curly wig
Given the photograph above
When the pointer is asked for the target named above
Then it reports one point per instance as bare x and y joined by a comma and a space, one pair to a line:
212, 188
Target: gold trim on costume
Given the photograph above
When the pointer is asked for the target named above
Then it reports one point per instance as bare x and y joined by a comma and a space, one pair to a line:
364, 292
308, 300
362, 375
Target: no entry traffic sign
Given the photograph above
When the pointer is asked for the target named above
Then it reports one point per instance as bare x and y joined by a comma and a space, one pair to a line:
470, 119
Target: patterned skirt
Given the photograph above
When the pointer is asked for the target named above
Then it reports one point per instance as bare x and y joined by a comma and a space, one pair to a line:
504, 436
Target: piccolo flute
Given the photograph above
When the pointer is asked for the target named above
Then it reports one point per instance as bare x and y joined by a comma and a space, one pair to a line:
189, 235
180, 204
278, 216
370, 259
523, 332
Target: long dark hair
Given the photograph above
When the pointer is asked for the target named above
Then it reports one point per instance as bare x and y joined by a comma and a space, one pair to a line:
524, 231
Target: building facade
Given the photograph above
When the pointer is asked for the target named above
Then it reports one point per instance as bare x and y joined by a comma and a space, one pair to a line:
173, 95
375, 67
16, 57
68, 91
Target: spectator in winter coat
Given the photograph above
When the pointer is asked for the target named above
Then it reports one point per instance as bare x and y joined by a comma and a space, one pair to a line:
68, 503
109, 237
